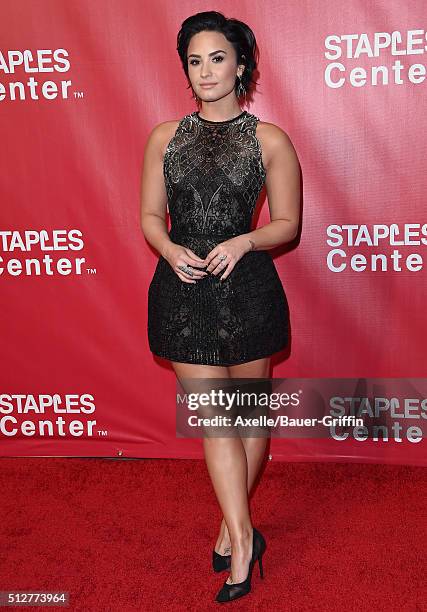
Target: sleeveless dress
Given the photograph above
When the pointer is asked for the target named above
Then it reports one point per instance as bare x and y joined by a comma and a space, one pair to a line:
213, 174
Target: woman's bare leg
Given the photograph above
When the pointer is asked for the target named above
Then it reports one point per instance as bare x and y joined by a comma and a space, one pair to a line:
228, 470
186, 371
254, 447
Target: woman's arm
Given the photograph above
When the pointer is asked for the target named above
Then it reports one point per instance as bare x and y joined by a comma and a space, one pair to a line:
153, 207
153, 190
283, 189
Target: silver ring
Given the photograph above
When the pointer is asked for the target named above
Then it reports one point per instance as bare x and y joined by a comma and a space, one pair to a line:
222, 257
186, 269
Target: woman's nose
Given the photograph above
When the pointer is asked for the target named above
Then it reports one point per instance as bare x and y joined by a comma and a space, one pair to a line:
204, 71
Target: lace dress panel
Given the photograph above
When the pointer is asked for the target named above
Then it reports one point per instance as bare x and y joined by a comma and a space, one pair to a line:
213, 174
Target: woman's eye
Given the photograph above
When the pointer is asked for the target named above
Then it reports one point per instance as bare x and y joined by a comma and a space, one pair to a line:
217, 57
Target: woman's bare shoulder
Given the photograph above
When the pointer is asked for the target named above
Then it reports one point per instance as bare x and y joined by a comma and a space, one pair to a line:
162, 133
273, 134
272, 137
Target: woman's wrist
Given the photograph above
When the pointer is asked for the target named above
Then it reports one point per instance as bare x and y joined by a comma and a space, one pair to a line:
249, 244
165, 248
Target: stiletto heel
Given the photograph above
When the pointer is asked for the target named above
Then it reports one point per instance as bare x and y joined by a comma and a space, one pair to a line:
261, 571
220, 562
232, 591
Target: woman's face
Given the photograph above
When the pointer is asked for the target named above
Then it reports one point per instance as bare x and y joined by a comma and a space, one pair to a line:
212, 60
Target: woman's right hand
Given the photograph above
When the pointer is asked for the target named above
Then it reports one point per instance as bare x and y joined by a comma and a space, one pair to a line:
177, 255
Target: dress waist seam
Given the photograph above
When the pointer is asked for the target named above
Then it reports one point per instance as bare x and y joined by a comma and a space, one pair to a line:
207, 234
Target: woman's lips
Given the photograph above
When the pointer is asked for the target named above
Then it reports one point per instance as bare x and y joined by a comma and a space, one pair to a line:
208, 85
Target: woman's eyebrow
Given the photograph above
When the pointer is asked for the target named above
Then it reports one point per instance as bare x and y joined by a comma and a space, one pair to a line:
209, 54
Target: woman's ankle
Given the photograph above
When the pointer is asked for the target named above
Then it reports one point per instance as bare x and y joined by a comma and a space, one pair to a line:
223, 542
224, 531
243, 537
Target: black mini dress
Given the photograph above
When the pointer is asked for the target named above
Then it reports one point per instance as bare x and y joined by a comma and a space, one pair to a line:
214, 173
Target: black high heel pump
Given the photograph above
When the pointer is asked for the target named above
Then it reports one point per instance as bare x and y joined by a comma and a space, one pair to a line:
229, 592
220, 562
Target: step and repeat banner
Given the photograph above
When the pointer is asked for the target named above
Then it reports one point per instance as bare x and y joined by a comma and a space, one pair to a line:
82, 84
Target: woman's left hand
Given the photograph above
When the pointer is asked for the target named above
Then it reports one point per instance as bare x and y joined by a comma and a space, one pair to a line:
233, 250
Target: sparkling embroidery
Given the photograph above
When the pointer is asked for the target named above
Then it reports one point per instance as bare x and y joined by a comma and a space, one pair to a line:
213, 174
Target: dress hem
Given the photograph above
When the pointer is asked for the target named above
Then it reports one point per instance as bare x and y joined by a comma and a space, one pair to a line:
222, 363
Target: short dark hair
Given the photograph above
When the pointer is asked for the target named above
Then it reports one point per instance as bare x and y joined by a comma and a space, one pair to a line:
236, 32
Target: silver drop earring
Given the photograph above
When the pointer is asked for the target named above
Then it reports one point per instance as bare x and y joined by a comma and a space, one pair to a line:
241, 90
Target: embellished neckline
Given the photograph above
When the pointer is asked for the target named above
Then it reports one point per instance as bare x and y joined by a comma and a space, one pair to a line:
225, 122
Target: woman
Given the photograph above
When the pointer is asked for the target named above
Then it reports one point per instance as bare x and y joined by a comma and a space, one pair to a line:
216, 306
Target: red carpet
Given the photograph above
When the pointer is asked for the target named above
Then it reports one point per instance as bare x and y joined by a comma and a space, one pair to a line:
127, 535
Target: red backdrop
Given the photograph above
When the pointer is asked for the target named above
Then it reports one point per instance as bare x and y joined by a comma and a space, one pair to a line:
81, 86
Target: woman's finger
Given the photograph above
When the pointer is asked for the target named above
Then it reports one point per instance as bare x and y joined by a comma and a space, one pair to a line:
195, 272
192, 272
219, 264
209, 258
184, 279
227, 272
196, 264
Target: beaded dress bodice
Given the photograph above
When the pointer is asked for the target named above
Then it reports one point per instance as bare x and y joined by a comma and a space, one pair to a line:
213, 175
